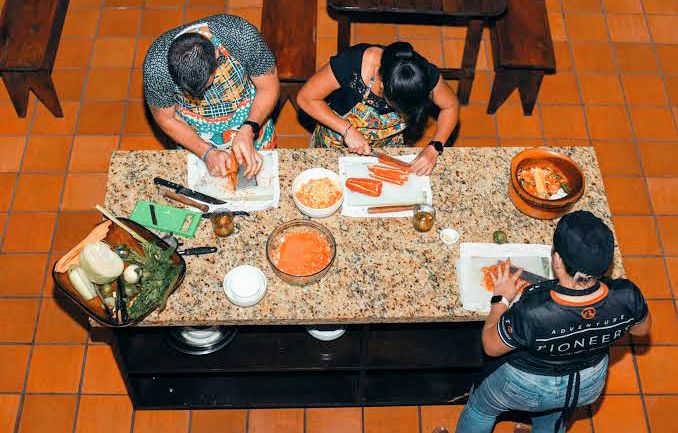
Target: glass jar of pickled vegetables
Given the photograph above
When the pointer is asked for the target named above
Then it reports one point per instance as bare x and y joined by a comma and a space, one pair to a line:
222, 223
424, 216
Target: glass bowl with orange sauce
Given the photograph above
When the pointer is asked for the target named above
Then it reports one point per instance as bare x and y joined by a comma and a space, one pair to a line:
301, 252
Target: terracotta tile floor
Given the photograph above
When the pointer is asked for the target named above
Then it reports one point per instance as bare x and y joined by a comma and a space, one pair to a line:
617, 90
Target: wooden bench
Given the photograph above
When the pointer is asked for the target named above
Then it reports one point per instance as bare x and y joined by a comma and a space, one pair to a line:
523, 52
289, 29
29, 37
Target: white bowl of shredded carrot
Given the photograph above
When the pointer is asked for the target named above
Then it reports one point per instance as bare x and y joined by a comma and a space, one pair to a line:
317, 192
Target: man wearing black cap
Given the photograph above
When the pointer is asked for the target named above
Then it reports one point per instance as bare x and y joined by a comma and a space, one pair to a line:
556, 337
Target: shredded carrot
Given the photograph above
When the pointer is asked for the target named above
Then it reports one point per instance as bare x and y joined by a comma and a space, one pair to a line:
488, 271
302, 252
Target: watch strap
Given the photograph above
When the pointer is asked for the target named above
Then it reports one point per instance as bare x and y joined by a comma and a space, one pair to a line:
500, 299
255, 126
438, 146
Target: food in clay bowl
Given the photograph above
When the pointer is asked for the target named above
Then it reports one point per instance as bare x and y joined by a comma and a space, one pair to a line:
301, 252
544, 184
317, 192
118, 279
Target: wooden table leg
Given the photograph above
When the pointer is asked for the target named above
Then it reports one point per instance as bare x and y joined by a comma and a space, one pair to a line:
344, 32
42, 85
474, 35
17, 87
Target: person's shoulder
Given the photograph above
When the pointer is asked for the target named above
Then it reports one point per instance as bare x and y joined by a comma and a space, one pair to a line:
226, 22
621, 287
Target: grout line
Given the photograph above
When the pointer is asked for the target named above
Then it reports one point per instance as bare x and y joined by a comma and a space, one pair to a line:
247, 420
190, 421
362, 419
132, 420
419, 419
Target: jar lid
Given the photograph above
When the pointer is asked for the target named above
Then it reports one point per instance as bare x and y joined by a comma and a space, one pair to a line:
245, 284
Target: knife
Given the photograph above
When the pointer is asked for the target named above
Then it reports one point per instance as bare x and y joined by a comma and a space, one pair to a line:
197, 251
529, 276
180, 189
387, 159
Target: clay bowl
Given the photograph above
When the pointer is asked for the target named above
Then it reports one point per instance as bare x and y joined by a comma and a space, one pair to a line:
534, 206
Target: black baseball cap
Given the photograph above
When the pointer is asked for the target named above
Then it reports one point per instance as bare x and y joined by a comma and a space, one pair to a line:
584, 242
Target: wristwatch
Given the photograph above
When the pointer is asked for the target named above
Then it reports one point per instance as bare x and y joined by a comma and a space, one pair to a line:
255, 126
499, 299
438, 146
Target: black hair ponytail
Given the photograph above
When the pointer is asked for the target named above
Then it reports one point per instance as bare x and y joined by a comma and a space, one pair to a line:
405, 74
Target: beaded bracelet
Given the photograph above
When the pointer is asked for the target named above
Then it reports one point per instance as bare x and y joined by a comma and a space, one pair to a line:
204, 157
343, 136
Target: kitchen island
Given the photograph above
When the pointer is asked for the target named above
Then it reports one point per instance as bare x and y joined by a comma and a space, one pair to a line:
394, 289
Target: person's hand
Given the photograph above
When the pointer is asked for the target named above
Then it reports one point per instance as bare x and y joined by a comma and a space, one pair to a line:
218, 163
245, 153
356, 143
505, 283
425, 161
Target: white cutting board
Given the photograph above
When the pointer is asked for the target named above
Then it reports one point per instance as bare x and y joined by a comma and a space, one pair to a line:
417, 189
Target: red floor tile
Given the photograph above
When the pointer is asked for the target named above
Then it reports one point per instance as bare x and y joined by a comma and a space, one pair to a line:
11, 124
664, 324
626, 195
69, 83
73, 227
672, 265
46, 124
208, 421
621, 376
663, 28
617, 157
18, 320
48, 413
101, 118
660, 412
668, 58
136, 121
140, 143
61, 321
628, 28
648, 273
593, 56
14, 366
293, 142
107, 84
113, 52
563, 121
335, 420
623, 6
38, 192
143, 43
157, 21
136, 87
601, 89
55, 369
22, 274
637, 235
663, 194
93, 153
47, 153
610, 122
288, 123
586, 27
11, 151
581, 5
7, 186
119, 22
668, 230
644, 89
659, 158
619, 413
557, 25
440, 416
634, 58
9, 406
102, 375
114, 412
81, 23
73, 53
29, 232
653, 364
653, 123
475, 122
276, 420
167, 421
511, 122
84, 191
403, 419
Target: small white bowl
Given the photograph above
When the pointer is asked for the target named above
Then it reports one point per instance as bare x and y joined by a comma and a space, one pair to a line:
326, 335
245, 285
316, 173
449, 236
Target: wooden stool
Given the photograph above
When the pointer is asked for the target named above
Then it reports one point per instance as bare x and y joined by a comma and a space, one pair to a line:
523, 52
29, 38
289, 29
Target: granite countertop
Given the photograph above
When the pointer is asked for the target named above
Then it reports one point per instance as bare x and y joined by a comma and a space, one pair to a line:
384, 270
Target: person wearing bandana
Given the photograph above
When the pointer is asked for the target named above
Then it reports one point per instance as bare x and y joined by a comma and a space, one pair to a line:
211, 86
553, 342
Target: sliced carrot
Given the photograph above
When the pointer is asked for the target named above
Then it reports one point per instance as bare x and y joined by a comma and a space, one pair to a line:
365, 186
387, 172
388, 179
392, 168
391, 161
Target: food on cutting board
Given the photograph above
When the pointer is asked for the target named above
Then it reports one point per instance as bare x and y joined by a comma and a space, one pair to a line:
544, 182
319, 193
301, 252
487, 277
394, 175
365, 186
499, 237
394, 162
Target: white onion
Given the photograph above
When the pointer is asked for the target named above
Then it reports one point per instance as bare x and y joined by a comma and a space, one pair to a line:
100, 263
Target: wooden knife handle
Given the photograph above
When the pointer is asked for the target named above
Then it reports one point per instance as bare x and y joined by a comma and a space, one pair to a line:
387, 209
185, 200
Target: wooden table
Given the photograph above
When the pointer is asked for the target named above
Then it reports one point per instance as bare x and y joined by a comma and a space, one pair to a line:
29, 38
471, 13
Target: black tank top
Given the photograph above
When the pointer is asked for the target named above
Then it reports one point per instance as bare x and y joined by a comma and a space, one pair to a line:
556, 337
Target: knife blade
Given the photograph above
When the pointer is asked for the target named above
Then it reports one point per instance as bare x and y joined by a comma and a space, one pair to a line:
198, 251
180, 189
529, 276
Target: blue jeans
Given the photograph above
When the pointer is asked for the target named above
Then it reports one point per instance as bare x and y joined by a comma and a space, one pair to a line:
511, 389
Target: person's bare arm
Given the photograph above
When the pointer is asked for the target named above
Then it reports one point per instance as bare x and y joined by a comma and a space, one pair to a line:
443, 97
643, 328
505, 284
169, 121
311, 99
268, 90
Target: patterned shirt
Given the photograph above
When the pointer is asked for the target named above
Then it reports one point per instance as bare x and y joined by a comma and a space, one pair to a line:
242, 40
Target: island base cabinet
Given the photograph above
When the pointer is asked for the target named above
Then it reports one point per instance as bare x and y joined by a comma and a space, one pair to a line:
283, 366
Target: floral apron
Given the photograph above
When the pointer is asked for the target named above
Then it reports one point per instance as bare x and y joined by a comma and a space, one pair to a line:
380, 130
218, 116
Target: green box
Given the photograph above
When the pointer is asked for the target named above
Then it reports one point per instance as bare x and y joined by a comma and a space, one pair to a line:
182, 222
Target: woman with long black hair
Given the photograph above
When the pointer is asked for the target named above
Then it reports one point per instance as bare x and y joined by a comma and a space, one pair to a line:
368, 95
